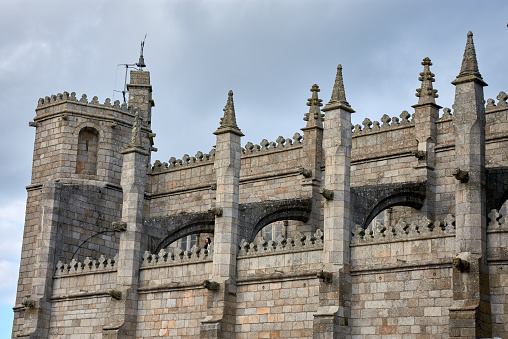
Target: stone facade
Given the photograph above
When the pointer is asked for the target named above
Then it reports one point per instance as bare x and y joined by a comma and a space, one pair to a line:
393, 229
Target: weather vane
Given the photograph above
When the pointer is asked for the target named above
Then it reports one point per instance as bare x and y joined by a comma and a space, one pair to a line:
140, 65
141, 62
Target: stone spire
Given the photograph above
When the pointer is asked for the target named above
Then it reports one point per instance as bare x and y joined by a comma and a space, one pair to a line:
469, 69
426, 93
314, 118
228, 121
338, 98
136, 130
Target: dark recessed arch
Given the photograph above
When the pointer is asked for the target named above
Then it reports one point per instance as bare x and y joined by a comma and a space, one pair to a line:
369, 201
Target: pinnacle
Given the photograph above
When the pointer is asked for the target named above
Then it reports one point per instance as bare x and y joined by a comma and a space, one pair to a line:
426, 93
314, 118
338, 97
469, 69
228, 121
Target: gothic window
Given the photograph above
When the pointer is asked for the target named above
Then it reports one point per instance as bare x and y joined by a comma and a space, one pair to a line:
88, 144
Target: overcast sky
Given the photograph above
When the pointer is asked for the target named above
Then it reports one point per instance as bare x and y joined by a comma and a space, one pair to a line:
268, 52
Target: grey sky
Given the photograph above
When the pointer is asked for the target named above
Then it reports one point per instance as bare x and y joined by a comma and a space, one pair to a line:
268, 52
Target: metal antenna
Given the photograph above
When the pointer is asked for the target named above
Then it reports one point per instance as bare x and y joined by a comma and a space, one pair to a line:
140, 65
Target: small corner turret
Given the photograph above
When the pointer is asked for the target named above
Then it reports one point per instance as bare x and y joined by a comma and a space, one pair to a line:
135, 144
228, 121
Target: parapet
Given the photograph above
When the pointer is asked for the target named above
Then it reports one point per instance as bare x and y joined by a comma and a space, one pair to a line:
87, 266
404, 230
186, 160
282, 244
502, 97
65, 96
374, 126
180, 256
279, 144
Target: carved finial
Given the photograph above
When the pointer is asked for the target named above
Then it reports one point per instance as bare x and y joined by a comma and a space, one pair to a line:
426, 93
136, 130
338, 98
228, 121
469, 69
314, 118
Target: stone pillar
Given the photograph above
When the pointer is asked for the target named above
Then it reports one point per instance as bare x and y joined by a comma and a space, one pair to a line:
470, 312
122, 322
140, 95
37, 305
312, 155
332, 317
220, 320
425, 118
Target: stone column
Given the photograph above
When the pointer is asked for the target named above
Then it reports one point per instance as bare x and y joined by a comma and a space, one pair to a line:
470, 312
37, 305
140, 95
122, 322
220, 320
331, 320
312, 158
425, 118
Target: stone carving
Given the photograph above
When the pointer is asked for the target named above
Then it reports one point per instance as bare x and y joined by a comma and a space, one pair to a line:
490, 104
420, 155
424, 226
326, 193
305, 172
87, 266
447, 113
28, 303
462, 176
502, 97
461, 264
282, 244
497, 220
405, 117
366, 124
115, 294
385, 119
211, 285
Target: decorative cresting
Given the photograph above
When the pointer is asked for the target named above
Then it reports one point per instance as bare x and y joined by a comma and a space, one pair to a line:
87, 266
65, 96
469, 69
186, 160
501, 97
497, 221
314, 118
426, 93
228, 121
374, 126
179, 256
280, 143
403, 229
282, 244
338, 93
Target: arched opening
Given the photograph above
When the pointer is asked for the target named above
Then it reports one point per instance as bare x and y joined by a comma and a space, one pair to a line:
88, 146
285, 228
187, 242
